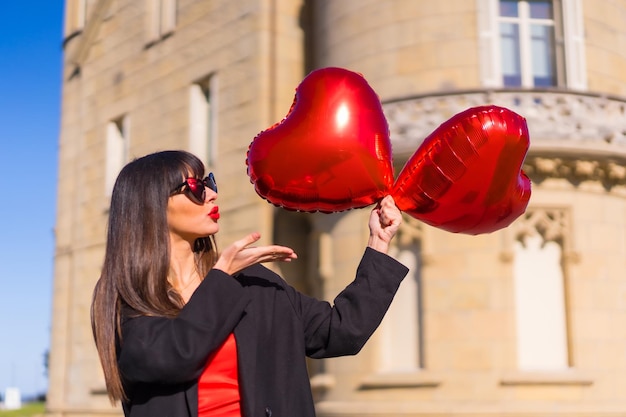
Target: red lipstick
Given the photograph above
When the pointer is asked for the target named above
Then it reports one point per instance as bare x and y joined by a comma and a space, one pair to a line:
215, 213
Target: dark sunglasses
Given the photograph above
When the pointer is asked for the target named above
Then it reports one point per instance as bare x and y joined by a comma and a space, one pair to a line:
194, 188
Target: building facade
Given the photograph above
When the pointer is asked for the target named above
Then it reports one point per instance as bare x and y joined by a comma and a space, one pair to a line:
526, 321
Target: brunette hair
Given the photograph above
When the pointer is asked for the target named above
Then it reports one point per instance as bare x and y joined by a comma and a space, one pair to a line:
137, 254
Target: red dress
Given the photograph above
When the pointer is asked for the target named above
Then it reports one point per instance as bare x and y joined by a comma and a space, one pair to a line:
218, 387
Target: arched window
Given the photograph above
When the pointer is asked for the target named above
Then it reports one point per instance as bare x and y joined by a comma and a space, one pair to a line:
539, 285
402, 328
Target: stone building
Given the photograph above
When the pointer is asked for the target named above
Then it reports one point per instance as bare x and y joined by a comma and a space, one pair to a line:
526, 321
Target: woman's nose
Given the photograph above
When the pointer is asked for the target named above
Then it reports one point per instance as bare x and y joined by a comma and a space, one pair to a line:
210, 195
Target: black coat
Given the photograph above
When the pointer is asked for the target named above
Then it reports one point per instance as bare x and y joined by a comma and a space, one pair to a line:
275, 326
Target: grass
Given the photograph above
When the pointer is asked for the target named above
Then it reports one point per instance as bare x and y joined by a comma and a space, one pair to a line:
27, 410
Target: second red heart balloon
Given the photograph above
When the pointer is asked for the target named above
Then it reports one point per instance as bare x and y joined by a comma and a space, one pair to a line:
466, 177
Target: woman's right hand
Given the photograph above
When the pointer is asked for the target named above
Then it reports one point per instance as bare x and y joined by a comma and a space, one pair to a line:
241, 255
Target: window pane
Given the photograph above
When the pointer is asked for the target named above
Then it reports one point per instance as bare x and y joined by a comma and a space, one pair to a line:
540, 9
200, 128
542, 44
508, 8
116, 145
511, 68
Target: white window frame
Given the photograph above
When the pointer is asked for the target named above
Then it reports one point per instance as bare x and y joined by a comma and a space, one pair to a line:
573, 44
81, 13
117, 146
203, 120
161, 18
76, 16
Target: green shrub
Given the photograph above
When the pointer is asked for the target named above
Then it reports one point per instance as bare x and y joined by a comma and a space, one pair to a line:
27, 410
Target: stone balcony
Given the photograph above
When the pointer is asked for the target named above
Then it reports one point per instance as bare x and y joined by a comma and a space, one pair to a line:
579, 136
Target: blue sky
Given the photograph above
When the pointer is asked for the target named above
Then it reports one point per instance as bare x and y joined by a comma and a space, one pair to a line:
30, 83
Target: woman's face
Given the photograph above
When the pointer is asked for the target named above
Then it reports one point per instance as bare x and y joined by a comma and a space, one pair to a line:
189, 220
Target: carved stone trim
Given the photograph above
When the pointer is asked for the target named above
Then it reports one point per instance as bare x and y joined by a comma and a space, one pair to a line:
552, 224
609, 173
558, 378
410, 233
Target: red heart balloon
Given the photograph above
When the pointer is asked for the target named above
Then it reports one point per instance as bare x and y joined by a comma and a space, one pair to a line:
466, 177
331, 152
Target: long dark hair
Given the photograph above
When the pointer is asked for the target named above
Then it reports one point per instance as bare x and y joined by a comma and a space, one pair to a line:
137, 254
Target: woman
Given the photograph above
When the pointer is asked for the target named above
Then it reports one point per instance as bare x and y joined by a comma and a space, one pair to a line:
184, 331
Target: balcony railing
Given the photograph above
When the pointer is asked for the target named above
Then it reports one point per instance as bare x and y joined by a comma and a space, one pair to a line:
559, 122
576, 136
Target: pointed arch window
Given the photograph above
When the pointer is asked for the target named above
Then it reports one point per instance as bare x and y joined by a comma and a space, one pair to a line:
539, 286
402, 329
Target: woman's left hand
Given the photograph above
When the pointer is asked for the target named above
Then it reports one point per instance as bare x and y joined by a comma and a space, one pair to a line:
384, 222
241, 255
